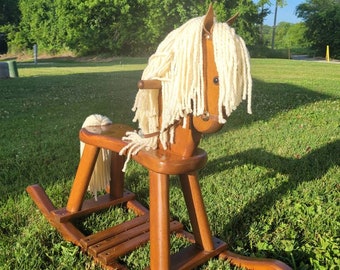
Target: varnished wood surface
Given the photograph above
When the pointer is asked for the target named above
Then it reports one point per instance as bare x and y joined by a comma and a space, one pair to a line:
159, 160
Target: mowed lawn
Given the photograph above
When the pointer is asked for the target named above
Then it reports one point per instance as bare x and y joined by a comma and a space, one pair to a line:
271, 185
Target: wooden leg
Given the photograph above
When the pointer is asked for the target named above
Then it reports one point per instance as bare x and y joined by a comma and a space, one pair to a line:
159, 222
82, 179
117, 176
197, 213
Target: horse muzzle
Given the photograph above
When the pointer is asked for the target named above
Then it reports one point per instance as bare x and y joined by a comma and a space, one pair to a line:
207, 123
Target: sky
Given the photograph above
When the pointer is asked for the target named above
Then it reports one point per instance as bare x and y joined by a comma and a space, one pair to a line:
285, 14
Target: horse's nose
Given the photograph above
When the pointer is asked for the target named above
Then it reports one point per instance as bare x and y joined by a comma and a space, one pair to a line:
207, 123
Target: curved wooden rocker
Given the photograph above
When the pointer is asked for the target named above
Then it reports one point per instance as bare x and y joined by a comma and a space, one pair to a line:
182, 158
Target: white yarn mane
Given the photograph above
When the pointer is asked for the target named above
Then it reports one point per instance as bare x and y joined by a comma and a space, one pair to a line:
178, 64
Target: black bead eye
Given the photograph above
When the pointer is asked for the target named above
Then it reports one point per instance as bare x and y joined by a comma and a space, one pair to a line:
216, 81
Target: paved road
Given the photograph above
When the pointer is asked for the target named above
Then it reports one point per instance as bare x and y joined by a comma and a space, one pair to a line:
317, 59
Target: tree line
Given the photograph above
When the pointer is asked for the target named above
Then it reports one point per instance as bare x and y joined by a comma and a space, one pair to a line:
322, 20
135, 27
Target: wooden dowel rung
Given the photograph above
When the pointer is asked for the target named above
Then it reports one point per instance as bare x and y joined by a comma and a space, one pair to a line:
149, 84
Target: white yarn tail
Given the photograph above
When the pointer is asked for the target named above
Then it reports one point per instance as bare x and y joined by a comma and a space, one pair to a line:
101, 174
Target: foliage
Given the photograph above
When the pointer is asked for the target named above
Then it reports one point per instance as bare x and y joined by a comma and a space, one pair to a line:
290, 35
289, 40
171, 14
322, 19
9, 12
104, 26
9, 19
271, 184
266, 52
127, 27
121, 27
81, 26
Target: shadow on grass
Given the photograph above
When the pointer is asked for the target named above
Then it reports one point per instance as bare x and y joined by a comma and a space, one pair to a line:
271, 99
82, 62
308, 168
41, 117
67, 99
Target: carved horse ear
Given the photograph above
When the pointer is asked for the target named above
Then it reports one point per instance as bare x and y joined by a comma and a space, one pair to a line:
232, 19
209, 20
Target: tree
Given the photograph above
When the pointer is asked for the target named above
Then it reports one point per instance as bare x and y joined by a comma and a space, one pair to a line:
296, 35
121, 27
290, 35
82, 26
248, 21
162, 16
278, 3
40, 24
283, 39
96, 26
9, 12
322, 19
9, 19
263, 11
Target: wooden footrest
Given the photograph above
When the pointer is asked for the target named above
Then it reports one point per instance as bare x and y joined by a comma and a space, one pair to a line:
108, 245
91, 205
193, 255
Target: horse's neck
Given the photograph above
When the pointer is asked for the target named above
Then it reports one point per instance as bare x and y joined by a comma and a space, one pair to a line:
186, 139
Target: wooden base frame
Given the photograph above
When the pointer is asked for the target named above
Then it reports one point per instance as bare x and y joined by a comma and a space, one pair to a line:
153, 225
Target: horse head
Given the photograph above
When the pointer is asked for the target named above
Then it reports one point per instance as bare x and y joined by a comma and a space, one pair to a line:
209, 122
198, 75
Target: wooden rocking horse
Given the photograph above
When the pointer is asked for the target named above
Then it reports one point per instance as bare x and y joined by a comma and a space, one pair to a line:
167, 145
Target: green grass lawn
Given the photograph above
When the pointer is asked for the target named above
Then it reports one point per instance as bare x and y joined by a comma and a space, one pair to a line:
271, 185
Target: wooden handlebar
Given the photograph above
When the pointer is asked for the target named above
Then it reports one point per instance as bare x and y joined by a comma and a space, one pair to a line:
149, 84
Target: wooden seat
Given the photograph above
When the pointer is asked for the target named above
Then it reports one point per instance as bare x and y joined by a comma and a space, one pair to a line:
160, 161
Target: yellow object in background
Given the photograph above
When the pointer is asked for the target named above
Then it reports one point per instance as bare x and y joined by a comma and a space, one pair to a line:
327, 53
